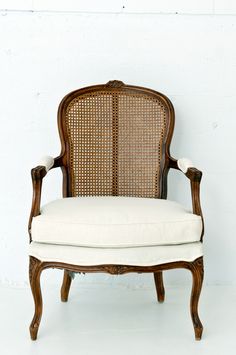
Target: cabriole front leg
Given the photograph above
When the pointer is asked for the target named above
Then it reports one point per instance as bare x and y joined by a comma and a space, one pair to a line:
197, 274
35, 269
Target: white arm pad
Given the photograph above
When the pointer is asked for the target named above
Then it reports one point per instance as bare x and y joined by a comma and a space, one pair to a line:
46, 161
184, 164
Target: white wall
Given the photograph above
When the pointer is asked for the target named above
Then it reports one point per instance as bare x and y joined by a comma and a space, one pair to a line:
48, 48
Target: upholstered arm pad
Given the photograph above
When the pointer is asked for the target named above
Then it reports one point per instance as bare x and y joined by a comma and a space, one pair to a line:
46, 161
184, 164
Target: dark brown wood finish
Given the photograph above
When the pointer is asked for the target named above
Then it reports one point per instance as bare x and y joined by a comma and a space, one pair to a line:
36, 266
114, 87
65, 288
158, 278
196, 268
195, 176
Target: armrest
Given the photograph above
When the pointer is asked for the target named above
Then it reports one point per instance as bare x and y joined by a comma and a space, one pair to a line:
47, 161
186, 166
37, 174
194, 175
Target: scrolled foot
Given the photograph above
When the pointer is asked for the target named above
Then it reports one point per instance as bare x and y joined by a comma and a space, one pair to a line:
34, 331
198, 333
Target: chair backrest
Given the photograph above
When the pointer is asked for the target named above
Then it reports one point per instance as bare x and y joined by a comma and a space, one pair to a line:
115, 141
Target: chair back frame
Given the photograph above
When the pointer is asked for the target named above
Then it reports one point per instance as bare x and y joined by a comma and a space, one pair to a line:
114, 89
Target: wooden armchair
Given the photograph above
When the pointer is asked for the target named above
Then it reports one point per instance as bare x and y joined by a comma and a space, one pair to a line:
114, 216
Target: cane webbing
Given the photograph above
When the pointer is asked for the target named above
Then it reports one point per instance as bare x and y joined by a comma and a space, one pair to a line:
115, 141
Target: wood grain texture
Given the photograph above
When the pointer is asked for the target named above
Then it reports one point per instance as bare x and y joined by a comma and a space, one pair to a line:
196, 268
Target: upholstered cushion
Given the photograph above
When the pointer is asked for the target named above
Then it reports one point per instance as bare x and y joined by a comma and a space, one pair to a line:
115, 222
142, 256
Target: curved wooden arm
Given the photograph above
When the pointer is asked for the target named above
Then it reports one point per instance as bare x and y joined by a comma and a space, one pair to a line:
195, 176
37, 175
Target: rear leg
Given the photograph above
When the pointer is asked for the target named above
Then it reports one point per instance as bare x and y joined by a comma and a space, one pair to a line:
159, 286
65, 288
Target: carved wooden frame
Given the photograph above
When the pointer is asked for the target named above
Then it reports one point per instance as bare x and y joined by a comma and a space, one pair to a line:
36, 266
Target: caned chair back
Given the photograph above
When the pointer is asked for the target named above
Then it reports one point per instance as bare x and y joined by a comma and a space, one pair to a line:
115, 140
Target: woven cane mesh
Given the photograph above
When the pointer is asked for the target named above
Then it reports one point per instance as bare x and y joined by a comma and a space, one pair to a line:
115, 143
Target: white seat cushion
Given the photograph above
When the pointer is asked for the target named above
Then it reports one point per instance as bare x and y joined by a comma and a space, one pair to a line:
115, 222
140, 256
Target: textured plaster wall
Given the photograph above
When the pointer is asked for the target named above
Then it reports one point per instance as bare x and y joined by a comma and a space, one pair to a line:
185, 49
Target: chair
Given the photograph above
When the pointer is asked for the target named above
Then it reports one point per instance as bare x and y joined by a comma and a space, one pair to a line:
114, 216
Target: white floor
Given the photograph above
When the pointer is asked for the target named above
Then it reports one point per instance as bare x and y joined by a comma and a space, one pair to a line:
103, 320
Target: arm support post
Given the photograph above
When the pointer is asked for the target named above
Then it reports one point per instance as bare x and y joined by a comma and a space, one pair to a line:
195, 176
37, 175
